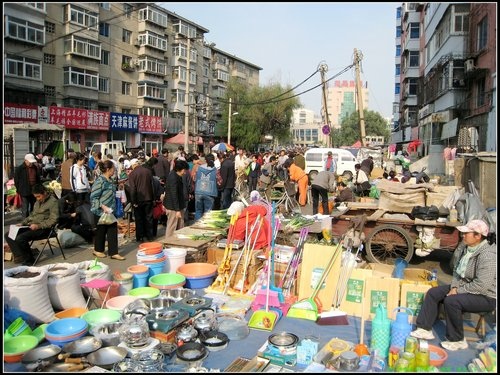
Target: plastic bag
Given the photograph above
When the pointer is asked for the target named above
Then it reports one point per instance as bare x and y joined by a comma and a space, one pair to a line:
119, 207
18, 200
158, 210
374, 192
107, 219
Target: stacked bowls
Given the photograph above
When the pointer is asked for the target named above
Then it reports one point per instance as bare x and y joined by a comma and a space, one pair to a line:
198, 275
63, 331
18, 327
151, 254
100, 316
146, 292
118, 303
74, 312
15, 347
167, 281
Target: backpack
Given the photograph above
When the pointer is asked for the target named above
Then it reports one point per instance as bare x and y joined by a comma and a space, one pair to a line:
219, 179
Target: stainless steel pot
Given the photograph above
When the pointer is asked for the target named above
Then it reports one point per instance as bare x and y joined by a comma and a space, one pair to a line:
107, 357
38, 358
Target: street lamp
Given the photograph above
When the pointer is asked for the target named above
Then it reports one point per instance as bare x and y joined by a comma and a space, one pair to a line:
231, 114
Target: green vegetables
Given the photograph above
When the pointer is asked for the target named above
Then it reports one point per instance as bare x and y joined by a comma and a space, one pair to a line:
297, 222
215, 219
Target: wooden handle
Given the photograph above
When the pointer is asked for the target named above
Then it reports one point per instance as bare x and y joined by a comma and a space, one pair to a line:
76, 367
74, 360
63, 356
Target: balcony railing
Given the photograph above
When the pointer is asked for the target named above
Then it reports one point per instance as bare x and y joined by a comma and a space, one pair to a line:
127, 67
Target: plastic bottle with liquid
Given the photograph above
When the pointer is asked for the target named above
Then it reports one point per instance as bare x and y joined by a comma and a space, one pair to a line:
453, 217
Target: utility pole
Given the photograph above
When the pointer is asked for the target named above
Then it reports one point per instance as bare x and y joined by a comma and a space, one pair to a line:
230, 114
186, 113
326, 118
357, 59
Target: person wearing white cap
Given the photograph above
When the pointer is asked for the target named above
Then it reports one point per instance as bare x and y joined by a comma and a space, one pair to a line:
472, 289
26, 176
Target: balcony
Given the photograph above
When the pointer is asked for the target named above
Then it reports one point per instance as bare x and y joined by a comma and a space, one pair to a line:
127, 67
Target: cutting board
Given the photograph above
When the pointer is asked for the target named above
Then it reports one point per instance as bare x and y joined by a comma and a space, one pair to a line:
179, 241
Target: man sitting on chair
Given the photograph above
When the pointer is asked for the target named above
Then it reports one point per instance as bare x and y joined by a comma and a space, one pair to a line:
44, 216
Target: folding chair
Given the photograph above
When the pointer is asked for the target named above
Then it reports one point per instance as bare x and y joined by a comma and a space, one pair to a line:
52, 234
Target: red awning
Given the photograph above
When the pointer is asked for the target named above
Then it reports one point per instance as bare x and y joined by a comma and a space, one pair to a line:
179, 139
357, 144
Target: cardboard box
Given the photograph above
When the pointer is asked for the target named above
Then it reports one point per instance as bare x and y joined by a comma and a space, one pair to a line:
352, 302
215, 255
385, 290
251, 274
417, 275
412, 296
314, 261
380, 270
279, 270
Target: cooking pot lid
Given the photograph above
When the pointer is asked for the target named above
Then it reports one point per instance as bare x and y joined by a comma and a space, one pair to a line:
191, 351
283, 339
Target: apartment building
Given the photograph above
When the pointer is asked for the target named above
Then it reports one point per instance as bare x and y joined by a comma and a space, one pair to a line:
134, 71
447, 78
306, 128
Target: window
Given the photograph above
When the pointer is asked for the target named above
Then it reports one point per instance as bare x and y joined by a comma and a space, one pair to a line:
207, 52
398, 31
482, 34
152, 40
81, 16
104, 84
80, 103
481, 92
398, 50
126, 36
223, 76
152, 65
414, 30
50, 27
37, 6
398, 12
180, 51
104, 57
397, 88
104, 29
126, 88
461, 23
128, 9
25, 31
151, 111
412, 86
398, 69
206, 70
414, 58
74, 76
23, 67
106, 6
49, 59
49, 91
83, 47
145, 90
180, 73
152, 15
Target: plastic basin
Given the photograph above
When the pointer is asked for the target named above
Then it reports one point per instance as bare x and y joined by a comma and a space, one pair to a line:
144, 292
66, 327
438, 355
74, 312
151, 247
19, 345
167, 280
99, 316
197, 270
139, 268
119, 303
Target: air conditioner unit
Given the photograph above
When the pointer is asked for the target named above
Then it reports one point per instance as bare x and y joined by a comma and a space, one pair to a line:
469, 65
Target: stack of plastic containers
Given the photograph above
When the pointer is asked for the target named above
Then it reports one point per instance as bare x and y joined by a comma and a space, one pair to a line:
151, 254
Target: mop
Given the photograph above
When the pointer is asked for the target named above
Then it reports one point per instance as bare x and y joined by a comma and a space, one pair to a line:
260, 319
336, 316
308, 308
288, 279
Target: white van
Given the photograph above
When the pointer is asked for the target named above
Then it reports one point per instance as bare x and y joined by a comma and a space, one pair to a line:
316, 157
111, 147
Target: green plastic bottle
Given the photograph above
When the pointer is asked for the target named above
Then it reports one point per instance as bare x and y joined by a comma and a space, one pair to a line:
381, 332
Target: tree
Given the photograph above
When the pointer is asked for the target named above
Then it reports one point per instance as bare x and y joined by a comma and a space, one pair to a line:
261, 111
349, 131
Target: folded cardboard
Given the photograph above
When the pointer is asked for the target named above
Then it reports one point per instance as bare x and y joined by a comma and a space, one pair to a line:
412, 296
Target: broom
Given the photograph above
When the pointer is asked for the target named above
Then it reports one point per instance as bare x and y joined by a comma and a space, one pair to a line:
308, 308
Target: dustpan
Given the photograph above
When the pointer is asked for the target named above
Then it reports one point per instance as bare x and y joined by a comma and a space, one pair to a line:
308, 308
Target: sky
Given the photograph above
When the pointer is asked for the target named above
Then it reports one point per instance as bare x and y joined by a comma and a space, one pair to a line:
290, 40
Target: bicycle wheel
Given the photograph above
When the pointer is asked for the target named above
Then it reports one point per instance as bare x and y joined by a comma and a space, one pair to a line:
291, 205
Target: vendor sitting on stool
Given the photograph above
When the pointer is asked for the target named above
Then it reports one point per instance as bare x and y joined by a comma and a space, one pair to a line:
345, 194
44, 216
472, 289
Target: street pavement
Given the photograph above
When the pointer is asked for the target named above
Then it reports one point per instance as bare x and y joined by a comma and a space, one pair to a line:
438, 259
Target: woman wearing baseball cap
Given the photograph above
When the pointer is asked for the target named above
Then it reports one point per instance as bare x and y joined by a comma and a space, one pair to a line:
472, 289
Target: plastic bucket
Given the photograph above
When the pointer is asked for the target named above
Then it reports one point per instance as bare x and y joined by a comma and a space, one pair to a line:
156, 268
176, 257
140, 275
154, 246
126, 283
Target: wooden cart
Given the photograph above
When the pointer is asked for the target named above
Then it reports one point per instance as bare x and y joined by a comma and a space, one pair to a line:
388, 239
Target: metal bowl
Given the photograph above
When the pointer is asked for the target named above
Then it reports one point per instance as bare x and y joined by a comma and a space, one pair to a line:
177, 293
107, 357
82, 346
38, 358
160, 303
108, 333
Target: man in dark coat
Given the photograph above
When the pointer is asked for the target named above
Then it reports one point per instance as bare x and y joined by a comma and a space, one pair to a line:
162, 168
228, 175
367, 165
174, 200
26, 176
140, 182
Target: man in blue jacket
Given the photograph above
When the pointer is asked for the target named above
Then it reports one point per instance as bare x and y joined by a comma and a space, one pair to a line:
205, 190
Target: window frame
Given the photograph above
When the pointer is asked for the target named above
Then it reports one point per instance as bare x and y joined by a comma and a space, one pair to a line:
21, 67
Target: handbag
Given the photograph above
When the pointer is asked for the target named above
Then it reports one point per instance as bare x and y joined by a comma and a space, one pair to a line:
219, 179
107, 219
158, 210
18, 200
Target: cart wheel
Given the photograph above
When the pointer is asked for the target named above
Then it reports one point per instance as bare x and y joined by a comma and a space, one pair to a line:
386, 243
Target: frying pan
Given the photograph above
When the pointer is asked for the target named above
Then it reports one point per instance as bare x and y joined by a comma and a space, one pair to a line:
63, 367
38, 358
104, 357
80, 347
